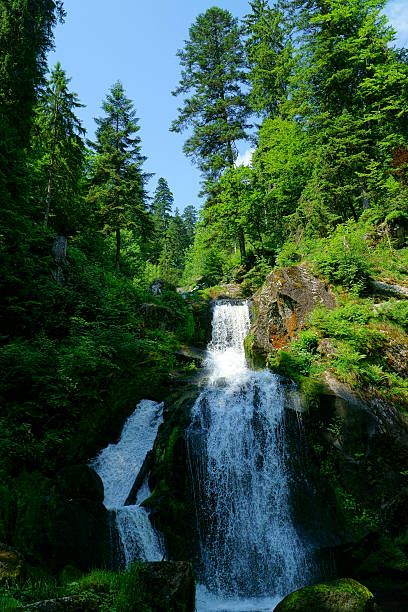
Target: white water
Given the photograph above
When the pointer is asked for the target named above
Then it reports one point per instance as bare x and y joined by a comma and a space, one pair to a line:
118, 465
250, 553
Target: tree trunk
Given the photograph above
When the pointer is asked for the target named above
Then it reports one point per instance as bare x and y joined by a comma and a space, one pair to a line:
117, 266
241, 241
51, 168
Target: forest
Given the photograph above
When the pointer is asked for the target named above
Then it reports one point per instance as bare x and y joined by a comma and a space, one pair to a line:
318, 90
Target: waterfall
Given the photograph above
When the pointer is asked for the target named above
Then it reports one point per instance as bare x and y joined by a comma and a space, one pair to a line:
118, 465
250, 553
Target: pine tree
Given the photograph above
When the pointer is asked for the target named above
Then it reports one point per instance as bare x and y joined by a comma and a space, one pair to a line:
213, 75
118, 181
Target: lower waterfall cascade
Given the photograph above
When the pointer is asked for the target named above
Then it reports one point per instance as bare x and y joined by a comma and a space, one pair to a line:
118, 465
250, 553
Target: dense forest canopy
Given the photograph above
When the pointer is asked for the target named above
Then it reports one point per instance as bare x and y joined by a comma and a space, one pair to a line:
317, 88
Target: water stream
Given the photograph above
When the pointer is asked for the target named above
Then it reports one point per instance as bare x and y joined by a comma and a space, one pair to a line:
250, 553
118, 465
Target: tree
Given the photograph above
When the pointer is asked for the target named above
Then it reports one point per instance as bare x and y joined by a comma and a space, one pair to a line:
161, 212
213, 74
118, 181
25, 38
270, 56
190, 218
57, 134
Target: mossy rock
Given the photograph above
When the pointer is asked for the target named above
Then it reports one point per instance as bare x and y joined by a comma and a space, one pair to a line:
11, 563
80, 482
344, 595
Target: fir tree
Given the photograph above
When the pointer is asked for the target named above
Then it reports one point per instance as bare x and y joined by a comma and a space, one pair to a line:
118, 181
213, 74
57, 133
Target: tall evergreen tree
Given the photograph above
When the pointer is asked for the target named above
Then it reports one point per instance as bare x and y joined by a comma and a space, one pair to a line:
25, 38
57, 136
269, 55
161, 211
212, 78
190, 218
118, 181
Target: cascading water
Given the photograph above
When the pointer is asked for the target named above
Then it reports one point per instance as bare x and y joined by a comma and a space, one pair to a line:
118, 465
250, 553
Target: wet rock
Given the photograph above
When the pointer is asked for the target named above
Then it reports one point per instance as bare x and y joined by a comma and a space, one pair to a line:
172, 583
344, 595
80, 482
143, 473
281, 308
11, 562
80, 535
170, 504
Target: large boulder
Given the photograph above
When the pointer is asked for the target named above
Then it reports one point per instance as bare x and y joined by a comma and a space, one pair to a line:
80, 482
281, 308
171, 583
11, 562
344, 595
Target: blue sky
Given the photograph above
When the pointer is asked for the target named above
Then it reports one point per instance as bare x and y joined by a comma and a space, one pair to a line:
136, 42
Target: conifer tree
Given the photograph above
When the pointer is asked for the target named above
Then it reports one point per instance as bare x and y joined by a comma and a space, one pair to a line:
57, 134
269, 55
161, 209
215, 107
118, 183
190, 218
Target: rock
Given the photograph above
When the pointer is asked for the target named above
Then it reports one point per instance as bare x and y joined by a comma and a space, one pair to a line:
170, 582
59, 252
80, 482
159, 285
170, 504
389, 289
143, 472
281, 308
344, 595
395, 229
226, 292
80, 535
11, 562
156, 316
75, 603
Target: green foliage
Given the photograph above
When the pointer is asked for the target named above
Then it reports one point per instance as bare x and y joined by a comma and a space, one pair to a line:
343, 257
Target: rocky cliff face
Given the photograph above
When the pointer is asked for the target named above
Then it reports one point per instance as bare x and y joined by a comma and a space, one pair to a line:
281, 307
354, 503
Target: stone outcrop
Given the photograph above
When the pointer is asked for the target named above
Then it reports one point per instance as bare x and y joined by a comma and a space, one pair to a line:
344, 595
281, 308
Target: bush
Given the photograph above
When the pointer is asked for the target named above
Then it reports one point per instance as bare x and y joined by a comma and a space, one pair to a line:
342, 258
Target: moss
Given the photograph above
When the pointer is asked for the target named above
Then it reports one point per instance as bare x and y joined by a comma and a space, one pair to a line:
336, 596
254, 354
170, 502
